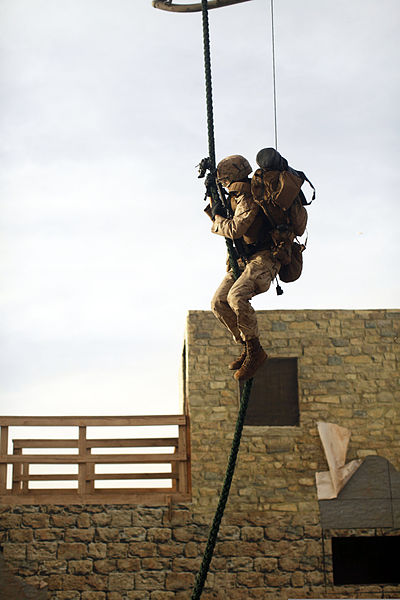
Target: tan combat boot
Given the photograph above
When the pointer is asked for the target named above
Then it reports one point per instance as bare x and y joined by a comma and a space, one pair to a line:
254, 359
236, 364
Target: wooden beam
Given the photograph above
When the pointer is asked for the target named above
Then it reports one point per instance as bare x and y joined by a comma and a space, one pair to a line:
49, 477
186, 8
3, 450
105, 476
142, 420
155, 497
98, 443
83, 465
73, 459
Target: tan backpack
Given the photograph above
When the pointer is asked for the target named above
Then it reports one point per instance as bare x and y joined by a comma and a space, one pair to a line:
280, 197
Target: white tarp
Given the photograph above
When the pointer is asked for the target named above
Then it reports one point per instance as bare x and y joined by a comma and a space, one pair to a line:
335, 441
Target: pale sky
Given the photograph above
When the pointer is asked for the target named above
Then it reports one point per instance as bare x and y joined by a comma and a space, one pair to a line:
104, 245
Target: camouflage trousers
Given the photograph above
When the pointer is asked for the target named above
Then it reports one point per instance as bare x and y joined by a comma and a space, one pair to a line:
231, 302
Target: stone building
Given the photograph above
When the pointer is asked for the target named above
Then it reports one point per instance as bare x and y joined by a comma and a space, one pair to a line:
277, 541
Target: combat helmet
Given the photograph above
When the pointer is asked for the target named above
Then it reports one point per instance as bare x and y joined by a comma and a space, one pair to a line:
233, 168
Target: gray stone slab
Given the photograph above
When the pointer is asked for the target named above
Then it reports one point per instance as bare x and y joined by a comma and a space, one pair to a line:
394, 482
396, 513
356, 514
371, 480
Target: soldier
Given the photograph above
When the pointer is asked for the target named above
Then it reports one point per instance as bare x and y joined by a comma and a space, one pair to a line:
231, 302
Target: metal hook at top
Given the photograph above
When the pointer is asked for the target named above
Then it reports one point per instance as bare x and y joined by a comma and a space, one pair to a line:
168, 5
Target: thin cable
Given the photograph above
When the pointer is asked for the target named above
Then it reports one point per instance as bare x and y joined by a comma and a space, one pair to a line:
274, 75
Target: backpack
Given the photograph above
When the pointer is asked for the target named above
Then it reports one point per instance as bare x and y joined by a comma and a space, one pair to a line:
279, 195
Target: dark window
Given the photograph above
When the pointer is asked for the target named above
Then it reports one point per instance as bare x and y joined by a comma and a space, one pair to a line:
368, 560
274, 398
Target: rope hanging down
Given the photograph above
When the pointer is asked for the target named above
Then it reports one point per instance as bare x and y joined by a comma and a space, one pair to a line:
212, 537
210, 124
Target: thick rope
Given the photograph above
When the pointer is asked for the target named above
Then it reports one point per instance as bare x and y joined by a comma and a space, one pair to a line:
210, 121
212, 537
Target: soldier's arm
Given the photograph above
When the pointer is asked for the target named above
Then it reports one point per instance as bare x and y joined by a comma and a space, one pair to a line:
244, 216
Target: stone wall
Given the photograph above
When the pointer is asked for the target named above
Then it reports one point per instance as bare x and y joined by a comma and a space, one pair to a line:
348, 362
270, 544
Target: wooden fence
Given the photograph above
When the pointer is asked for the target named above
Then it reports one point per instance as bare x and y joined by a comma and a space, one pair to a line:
171, 483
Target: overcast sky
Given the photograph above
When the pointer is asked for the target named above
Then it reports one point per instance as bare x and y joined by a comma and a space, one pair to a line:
104, 245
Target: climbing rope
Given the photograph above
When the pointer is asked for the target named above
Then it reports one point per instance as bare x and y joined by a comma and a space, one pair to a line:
212, 538
210, 124
213, 534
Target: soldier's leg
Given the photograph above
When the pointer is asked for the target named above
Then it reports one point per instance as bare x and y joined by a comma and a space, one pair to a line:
255, 279
221, 308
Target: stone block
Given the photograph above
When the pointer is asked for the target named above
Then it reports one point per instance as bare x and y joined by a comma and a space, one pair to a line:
120, 581
42, 551
121, 518
117, 550
186, 564
133, 533
79, 535
179, 581
158, 534
142, 549
128, 564
9, 520
83, 521
80, 567
151, 580
67, 551
252, 534
250, 580
13, 552
97, 550
63, 520
105, 567
46, 535
20, 535
155, 564
107, 534
36, 520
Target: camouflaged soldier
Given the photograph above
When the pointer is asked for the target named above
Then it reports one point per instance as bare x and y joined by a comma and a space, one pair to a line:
231, 302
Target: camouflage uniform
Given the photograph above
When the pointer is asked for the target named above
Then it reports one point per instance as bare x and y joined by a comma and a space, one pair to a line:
231, 302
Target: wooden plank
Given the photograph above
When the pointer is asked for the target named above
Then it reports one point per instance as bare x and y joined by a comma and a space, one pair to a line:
48, 477
90, 471
126, 496
182, 481
82, 465
25, 474
73, 459
98, 443
141, 420
188, 460
133, 443
106, 476
17, 474
45, 443
3, 450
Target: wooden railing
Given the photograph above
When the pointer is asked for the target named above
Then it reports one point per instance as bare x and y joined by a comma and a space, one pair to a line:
157, 467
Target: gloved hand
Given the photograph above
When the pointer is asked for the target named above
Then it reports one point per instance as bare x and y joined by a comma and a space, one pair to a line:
209, 182
217, 208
